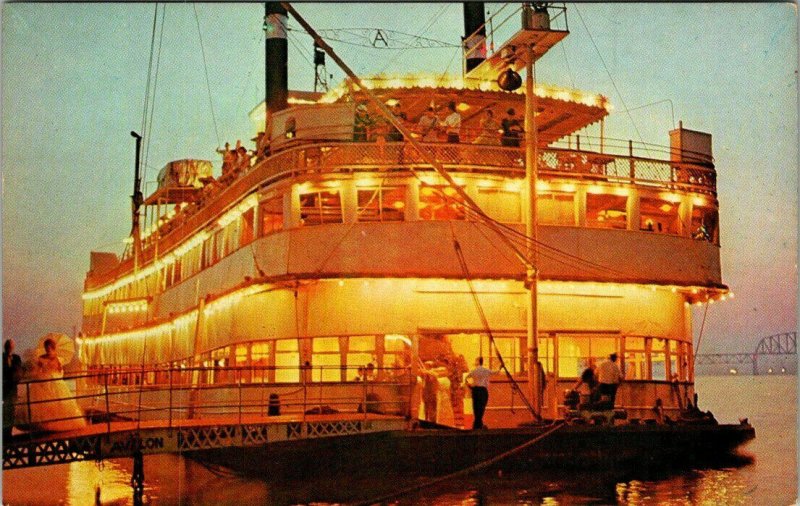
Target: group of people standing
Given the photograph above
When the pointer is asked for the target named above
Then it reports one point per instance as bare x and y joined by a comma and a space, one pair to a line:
50, 404
442, 389
235, 160
507, 133
598, 388
439, 126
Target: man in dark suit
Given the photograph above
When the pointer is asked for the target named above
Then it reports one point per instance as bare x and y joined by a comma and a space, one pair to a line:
12, 373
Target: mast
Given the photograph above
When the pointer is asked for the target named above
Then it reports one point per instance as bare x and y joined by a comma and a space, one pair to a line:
532, 274
136, 203
537, 38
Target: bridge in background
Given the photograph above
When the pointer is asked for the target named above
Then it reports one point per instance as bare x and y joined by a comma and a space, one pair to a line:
784, 344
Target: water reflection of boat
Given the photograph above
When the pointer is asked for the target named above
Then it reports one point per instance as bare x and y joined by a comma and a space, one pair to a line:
332, 253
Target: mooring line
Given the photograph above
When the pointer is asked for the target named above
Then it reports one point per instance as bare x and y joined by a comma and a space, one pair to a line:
477, 467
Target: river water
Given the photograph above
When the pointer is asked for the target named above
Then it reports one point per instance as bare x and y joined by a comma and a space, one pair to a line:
769, 477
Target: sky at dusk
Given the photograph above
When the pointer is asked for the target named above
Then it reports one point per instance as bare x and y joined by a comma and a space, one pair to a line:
73, 86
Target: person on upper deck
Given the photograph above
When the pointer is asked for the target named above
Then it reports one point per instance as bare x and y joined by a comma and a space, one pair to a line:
426, 126
362, 123
512, 129
394, 134
242, 159
490, 130
452, 124
228, 158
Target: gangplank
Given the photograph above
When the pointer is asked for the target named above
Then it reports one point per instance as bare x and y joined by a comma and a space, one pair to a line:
125, 438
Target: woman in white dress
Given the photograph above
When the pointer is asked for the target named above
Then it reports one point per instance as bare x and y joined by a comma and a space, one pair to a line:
52, 405
444, 403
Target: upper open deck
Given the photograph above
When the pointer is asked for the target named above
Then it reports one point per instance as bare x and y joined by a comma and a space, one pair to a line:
336, 135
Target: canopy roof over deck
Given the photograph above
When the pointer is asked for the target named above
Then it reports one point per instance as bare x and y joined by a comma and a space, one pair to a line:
560, 111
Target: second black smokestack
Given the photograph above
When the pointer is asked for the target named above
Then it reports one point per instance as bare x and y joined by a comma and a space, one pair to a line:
276, 47
474, 22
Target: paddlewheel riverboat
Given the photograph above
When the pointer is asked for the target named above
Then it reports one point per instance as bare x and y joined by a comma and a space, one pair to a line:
339, 268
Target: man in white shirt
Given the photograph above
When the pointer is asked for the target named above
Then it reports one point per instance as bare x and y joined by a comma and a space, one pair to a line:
452, 124
609, 376
480, 391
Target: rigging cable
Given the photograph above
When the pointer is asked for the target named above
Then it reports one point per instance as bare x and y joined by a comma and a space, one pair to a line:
147, 131
424, 30
566, 61
299, 47
205, 68
146, 106
258, 38
485, 322
700, 337
613, 83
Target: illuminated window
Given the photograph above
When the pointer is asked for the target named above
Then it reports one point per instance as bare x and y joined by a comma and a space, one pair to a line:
320, 207
177, 271
673, 360
360, 352
659, 216
606, 211
577, 352
228, 239
546, 353
241, 360
504, 206
209, 251
219, 362
325, 359
396, 354
705, 221
259, 359
684, 364
635, 360
287, 361
246, 227
382, 204
658, 359
511, 349
217, 242
556, 208
440, 203
271, 212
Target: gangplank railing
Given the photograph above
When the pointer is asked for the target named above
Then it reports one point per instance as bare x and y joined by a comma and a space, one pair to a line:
231, 393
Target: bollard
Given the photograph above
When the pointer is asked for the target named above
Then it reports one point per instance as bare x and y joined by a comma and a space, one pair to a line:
108, 409
137, 478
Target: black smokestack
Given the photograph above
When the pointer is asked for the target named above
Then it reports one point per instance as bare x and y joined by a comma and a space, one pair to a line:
474, 23
276, 75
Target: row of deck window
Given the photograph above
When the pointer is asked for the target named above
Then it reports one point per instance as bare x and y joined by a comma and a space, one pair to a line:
389, 357
435, 203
